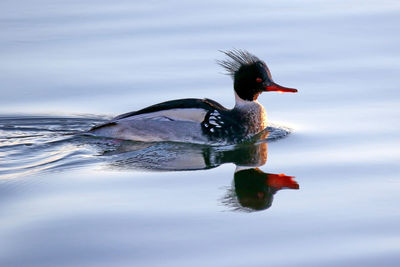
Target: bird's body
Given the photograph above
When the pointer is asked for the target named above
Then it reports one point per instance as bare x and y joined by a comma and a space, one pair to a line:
187, 120
202, 120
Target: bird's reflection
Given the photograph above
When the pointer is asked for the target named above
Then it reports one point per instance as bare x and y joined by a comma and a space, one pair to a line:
251, 190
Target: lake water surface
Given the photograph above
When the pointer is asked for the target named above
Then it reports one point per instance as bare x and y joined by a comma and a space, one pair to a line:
322, 189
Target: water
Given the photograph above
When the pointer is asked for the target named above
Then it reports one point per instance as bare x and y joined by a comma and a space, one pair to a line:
70, 200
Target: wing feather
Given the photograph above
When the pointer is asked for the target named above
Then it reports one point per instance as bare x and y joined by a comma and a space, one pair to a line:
170, 110
206, 104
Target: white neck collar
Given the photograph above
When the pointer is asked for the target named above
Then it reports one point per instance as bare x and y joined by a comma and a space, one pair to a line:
239, 102
242, 168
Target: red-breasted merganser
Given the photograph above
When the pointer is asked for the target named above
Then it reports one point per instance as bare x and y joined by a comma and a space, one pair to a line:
203, 120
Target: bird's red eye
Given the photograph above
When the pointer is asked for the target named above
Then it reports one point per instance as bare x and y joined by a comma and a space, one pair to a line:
258, 80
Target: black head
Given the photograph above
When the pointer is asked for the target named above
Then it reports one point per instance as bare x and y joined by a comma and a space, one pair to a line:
253, 189
251, 75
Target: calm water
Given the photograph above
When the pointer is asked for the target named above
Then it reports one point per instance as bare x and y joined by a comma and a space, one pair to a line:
321, 190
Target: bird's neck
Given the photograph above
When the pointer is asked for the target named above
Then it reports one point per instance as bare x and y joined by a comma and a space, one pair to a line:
251, 111
241, 104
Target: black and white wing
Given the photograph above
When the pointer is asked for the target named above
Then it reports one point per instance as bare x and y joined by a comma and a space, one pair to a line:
222, 125
190, 109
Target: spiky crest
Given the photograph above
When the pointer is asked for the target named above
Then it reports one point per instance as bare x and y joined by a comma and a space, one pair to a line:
237, 58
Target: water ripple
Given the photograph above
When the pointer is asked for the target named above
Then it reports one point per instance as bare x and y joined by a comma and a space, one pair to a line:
31, 144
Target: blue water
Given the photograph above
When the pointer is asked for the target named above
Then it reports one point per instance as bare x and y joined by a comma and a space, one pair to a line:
73, 200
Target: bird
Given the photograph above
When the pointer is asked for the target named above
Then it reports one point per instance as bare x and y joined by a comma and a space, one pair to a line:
203, 121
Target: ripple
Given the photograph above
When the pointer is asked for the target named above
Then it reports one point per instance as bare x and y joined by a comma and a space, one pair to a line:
31, 144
